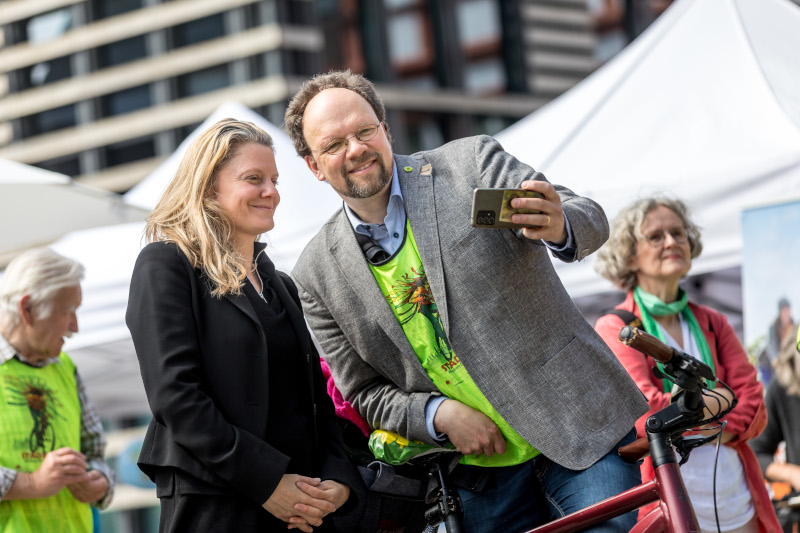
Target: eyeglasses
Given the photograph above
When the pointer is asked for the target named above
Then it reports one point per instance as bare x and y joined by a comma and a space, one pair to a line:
338, 146
658, 237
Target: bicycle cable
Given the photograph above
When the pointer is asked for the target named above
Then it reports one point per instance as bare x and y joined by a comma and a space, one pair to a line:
716, 459
707, 394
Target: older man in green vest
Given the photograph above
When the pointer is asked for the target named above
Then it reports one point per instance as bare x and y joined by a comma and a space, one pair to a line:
51, 441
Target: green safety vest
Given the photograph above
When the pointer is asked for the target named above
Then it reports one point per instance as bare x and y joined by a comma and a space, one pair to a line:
403, 282
39, 412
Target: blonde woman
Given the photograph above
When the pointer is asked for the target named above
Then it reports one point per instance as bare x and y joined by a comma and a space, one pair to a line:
650, 249
243, 436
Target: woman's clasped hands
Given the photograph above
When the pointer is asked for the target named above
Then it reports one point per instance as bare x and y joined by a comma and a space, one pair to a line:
303, 502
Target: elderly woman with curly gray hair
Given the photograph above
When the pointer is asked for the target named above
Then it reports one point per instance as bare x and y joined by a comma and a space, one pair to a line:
650, 249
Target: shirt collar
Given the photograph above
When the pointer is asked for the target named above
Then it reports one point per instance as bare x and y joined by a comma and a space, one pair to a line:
8, 352
395, 202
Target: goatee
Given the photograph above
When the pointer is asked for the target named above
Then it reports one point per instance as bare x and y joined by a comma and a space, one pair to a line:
369, 187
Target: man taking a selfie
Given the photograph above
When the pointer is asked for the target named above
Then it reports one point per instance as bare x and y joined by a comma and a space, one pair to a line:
441, 331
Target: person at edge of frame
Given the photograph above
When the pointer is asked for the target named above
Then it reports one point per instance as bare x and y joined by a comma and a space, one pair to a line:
53, 474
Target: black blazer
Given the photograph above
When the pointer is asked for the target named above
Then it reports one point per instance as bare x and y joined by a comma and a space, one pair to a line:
204, 367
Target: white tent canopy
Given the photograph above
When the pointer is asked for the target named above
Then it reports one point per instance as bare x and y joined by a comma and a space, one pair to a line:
103, 348
38, 206
705, 105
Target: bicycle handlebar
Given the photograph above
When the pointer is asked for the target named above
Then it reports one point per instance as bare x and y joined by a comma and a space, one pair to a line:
647, 344
666, 355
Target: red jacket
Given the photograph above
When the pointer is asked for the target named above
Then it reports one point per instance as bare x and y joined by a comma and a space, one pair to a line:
732, 366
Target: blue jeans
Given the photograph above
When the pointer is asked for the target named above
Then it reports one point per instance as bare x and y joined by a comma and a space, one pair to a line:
521, 497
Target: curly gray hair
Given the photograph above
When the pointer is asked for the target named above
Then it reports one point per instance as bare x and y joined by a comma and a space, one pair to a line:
339, 79
615, 257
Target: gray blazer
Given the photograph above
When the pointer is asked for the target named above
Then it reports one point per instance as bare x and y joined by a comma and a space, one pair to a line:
504, 309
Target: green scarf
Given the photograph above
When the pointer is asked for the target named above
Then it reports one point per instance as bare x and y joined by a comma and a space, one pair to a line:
651, 306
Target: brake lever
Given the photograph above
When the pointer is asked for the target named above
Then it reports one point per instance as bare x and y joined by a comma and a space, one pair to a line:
686, 444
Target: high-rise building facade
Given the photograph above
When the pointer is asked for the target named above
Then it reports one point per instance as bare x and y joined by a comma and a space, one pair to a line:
102, 90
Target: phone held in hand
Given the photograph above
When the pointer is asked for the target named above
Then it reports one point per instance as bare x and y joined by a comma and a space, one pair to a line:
491, 208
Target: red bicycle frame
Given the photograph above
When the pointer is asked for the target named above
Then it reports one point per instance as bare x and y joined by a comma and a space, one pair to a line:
673, 515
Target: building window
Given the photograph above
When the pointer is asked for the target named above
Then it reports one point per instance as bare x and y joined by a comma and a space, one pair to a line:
423, 131
406, 38
485, 76
129, 151
110, 8
126, 101
69, 166
42, 29
478, 22
50, 120
50, 26
199, 30
303, 63
491, 125
609, 27
121, 52
398, 4
203, 81
300, 12
49, 71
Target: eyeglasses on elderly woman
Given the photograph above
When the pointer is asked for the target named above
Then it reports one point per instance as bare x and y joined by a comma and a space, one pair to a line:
657, 238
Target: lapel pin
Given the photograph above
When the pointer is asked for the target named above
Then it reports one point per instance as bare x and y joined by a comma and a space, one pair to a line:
408, 169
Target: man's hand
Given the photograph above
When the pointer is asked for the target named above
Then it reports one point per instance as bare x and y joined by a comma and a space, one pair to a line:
90, 490
58, 469
552, 227
472, 432
285, 499
328, 490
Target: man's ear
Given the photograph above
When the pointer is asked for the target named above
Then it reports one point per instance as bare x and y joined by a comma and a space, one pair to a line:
312, 165
25, 310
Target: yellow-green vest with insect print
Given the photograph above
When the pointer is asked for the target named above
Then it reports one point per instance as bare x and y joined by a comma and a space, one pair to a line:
403, 282
39, 412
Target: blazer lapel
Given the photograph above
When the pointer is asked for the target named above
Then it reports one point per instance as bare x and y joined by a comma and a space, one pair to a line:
244, 306
294, 313
418, 196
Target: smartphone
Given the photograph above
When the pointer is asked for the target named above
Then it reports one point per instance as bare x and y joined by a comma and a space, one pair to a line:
491, 208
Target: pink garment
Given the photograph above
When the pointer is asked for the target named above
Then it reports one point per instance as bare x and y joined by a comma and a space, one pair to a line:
748, 418
344, 409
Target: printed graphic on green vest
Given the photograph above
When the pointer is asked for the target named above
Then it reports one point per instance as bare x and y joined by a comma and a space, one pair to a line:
405, 286
43, 406
410, 294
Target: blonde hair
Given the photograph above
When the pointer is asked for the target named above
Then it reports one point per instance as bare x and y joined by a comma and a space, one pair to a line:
787, 366
188, 213
615, 257
39, 273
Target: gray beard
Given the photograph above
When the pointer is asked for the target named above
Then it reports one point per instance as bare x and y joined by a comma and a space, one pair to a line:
366, 189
